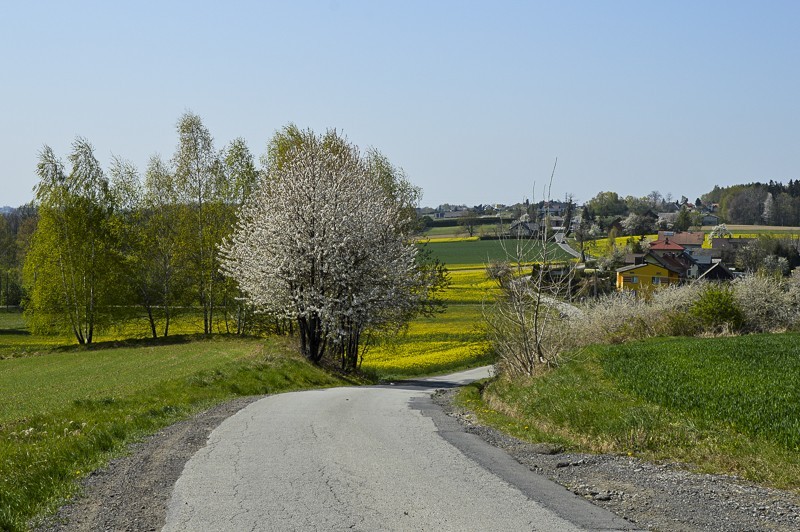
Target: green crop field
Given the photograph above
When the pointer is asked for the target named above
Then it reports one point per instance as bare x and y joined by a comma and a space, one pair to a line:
729, 405
749, 382
479, 252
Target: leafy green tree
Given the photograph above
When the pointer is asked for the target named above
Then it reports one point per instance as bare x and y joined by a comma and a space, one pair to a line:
71, 268
163, 272
683, 221
197, 176
717, 310
607, 204
469, 222
240, 178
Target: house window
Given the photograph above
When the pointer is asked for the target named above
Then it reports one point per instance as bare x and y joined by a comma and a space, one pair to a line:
635, 280
656, 280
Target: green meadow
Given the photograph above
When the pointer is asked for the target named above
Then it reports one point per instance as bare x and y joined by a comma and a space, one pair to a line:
724, 405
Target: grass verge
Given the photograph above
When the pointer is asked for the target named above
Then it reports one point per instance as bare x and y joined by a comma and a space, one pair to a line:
44, 453
724, 405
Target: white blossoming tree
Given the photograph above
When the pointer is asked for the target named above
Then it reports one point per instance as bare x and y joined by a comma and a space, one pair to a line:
325, 241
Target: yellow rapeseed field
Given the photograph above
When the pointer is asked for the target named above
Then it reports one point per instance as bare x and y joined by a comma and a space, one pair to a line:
445, 342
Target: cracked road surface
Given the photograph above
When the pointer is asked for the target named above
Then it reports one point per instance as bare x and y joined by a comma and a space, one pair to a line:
368, 458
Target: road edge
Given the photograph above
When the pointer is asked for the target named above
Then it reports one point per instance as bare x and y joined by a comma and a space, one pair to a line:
553, 496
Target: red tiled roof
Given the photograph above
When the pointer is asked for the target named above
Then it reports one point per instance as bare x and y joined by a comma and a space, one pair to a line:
665, 245
683, 238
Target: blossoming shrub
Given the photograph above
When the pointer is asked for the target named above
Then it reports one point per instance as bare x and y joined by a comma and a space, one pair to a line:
751, 304
621, 316
767, 303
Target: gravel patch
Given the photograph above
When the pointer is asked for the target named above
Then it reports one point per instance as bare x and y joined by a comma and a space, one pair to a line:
654, 496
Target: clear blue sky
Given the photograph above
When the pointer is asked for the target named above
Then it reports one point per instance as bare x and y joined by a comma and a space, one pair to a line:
474, 100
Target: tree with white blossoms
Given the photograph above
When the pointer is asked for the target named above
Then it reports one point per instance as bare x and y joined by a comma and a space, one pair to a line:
324, 240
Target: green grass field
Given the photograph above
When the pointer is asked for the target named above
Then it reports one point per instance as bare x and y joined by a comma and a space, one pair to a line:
729, 405
477, 253
65, 413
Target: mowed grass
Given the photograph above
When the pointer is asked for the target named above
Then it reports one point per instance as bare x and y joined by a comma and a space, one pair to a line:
35, 385
68, 412
725, 405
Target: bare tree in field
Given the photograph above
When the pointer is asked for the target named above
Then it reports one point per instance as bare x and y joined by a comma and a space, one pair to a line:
527, 324
324, 241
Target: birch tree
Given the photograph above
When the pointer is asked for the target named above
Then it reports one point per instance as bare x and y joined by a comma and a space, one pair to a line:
324, 241
71, 267
196, 168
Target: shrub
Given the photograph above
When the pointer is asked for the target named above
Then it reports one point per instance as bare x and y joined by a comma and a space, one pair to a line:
621, 316
716, 310
767, 303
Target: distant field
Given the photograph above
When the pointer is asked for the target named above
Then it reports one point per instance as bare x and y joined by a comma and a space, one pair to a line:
757, 229
477, 253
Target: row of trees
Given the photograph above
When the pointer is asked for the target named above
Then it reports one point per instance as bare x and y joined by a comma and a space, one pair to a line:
320, 236
108, 243
16, 228
758, 203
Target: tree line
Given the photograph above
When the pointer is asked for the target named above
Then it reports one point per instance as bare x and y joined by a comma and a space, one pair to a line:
109, 245
772, 203
319, 239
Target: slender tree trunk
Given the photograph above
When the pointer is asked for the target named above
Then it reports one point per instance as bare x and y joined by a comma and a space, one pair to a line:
152, 321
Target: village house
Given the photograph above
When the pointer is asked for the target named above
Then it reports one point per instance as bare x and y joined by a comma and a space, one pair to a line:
686, 239
645, 277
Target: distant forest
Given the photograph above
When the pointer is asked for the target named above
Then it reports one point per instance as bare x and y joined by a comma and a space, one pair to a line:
770, 203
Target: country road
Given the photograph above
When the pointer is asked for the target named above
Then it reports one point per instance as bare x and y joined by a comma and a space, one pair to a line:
368, 458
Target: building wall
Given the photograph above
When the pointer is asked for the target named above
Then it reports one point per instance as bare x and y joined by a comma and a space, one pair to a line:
646, 277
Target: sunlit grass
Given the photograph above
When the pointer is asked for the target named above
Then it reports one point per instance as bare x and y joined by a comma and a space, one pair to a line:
725, 405
70, 411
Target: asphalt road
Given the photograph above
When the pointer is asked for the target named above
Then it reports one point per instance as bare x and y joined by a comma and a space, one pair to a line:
369, 458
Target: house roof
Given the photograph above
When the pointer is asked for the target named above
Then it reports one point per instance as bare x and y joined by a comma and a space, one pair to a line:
684, 238
632, 267
646, 264
717, 271
679, 264
665, 245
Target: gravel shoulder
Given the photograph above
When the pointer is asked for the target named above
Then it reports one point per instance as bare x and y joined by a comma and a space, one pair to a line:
132, 493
